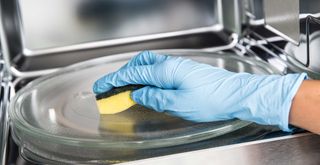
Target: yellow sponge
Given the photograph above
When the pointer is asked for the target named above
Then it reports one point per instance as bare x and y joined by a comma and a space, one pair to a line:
116, 100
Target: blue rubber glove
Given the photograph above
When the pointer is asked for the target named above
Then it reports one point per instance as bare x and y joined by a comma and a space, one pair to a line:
203, 93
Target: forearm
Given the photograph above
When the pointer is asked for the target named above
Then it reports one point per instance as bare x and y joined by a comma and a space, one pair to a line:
305, 109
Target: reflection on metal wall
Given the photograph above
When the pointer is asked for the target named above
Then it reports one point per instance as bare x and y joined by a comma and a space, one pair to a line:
306, 6
54, 23
282, 17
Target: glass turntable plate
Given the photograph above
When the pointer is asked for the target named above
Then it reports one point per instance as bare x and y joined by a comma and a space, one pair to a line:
59, 110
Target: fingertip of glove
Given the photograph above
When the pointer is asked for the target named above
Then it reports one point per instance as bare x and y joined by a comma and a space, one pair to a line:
151, 54
146, 54
100, 87
95, 88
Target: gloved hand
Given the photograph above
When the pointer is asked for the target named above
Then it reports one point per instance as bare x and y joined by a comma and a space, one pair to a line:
203, 93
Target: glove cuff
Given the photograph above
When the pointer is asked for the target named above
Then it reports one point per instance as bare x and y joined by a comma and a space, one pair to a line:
297, 80
267, 99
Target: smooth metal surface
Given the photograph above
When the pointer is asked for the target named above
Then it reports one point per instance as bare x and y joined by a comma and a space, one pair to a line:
234, 40
63, 59
282, 18
254, 10
299, 53
4, 105
113, 42
41, 36
3, 40
4, 121
293, 150
56, 23
231, 15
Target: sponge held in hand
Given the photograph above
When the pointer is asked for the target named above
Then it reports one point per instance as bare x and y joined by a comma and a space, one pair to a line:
116, 100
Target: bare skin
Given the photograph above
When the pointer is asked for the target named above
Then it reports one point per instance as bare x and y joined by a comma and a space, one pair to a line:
305, 109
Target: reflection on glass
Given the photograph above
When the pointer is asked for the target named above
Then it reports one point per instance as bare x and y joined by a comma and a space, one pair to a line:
52, 115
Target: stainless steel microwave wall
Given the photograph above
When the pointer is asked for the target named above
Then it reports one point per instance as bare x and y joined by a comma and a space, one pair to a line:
45, 35
218, 30
282, 18
254, 10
